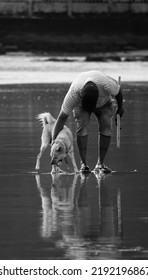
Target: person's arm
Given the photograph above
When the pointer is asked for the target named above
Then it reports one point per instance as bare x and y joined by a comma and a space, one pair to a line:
69, 103
59, 124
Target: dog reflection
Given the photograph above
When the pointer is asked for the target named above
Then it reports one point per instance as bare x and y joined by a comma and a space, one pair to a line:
82, 211
57, 197
63, 192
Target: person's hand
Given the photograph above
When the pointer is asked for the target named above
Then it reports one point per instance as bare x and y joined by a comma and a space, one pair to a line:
120, 112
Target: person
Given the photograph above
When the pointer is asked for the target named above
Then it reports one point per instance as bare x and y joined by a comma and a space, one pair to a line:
91, 92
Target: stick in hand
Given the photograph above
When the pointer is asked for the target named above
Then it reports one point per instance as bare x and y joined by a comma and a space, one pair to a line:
118, 131
118, 121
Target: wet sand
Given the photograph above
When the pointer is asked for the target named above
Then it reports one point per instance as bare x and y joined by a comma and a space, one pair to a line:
71, 216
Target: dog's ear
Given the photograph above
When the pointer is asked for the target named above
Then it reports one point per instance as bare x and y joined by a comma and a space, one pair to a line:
59, 149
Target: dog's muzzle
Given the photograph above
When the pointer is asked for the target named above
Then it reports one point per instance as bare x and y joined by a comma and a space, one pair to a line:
55, 162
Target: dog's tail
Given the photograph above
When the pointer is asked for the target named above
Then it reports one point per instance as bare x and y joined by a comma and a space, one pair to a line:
45, 118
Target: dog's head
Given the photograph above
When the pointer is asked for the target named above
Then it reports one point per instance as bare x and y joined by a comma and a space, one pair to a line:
58, 152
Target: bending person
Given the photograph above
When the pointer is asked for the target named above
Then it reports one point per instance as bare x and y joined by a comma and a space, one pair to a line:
91, 92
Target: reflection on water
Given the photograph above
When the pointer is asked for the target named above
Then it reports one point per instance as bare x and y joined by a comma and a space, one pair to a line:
71, 216
83, 213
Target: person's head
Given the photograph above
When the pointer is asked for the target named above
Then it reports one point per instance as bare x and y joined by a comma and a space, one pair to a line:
89, 96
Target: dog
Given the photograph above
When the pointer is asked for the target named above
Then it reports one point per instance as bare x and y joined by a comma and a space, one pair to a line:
60, 148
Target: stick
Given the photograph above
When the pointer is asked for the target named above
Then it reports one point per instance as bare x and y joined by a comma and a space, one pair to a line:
119, 80
118, 131
118, 121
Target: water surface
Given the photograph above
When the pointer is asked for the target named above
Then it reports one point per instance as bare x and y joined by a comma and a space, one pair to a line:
71, 216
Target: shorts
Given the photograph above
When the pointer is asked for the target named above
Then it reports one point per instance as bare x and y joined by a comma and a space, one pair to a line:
104, 116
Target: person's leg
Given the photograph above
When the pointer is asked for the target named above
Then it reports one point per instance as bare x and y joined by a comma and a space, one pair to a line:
103, 143
104, 116
82, 121
82, 146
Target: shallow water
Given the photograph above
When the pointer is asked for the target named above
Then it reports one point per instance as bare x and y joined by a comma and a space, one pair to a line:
71, 216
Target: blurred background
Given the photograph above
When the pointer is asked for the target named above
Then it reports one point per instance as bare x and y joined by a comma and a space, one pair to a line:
74, 26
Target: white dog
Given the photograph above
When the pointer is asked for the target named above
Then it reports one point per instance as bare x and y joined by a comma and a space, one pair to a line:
60, 148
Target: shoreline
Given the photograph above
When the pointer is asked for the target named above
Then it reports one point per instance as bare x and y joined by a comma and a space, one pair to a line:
28, 68
117, 56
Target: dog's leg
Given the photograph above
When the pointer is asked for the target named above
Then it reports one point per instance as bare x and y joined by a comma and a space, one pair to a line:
42, 150
72, 157
44, 144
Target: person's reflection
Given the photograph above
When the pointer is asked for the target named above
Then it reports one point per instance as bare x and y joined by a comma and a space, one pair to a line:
110, 208
110, 214
88, 208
